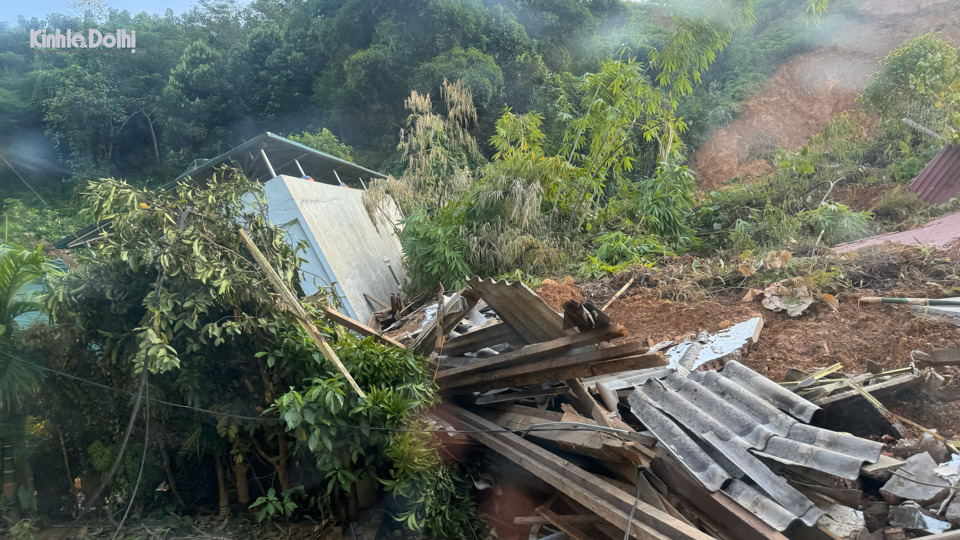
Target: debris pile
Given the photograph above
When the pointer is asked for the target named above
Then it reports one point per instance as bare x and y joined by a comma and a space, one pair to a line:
616, 436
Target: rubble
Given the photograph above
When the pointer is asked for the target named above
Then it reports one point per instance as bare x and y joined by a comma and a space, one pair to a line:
724, 451
917, 482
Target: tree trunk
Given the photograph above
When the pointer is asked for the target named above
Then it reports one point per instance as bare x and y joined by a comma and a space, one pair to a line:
281, 464
153, 135
240, 469
224, 495
110, 148
171, 481
10, 481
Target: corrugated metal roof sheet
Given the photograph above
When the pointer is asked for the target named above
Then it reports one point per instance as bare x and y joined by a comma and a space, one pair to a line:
941, 233
718, 424
939, 181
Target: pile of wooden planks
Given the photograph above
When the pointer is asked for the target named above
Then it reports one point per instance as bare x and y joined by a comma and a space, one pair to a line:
513, 384
596, 462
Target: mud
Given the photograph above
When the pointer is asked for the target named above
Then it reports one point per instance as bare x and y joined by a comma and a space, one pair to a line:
809, 89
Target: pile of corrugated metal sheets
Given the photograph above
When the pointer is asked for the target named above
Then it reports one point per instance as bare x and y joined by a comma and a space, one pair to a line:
722, 426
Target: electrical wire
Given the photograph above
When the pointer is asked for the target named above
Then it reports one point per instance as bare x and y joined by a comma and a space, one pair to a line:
546, 426
636, 503
143, 462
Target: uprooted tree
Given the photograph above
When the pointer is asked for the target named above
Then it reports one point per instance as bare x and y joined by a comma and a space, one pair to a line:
172, 290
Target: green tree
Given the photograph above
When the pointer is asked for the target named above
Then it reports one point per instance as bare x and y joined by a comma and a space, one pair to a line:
915, 80
19, 376
324, 141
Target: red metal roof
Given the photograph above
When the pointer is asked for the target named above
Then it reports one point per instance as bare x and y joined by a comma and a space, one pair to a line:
939, 181
941, 233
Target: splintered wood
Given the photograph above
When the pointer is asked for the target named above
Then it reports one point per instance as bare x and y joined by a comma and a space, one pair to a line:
504, 368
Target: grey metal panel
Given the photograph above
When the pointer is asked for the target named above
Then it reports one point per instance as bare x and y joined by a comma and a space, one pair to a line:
797, 453
721, 422
738, 396
733, 418
521, 308
782, 398
760, 505
724, 440
687, 452
866, 450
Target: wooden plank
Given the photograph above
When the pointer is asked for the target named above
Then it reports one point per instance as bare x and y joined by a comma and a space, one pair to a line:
528, 354
294, 306
68, 260
589, 405
548, 374
376, 301
484, 337
575, 519
892, 385
558, 363
593, 444
560, 523
521, 395
360, 328
587, 489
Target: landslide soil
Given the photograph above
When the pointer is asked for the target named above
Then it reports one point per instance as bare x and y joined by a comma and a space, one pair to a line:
810, 88
852, 335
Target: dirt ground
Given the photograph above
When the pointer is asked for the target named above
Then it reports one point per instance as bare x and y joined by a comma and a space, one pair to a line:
851, 335
811, 88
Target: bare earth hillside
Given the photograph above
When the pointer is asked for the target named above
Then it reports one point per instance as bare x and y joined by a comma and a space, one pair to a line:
810, 88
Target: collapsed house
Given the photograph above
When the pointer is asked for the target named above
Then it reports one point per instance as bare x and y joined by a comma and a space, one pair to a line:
670, 440
317, 199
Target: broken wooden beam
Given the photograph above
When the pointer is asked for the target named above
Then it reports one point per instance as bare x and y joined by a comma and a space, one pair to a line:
530, 353
562, 524
599, 362
494, 334
360, 328
611, 503
291, 302
575, 519
593, 444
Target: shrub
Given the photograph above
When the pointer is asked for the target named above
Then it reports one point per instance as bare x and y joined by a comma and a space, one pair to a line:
838, 222
897, 205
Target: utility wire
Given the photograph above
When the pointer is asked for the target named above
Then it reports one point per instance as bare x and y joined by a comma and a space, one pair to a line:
143, 462
636, 503
546, 426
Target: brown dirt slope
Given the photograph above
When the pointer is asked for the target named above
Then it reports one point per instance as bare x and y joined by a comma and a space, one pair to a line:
810, 88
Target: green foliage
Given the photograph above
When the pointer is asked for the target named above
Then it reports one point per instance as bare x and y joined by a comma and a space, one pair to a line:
916, 77
435, 249
664, 205
441, 505
351, 439
26, 224
273, 506
324, 141
477, 70
838, 222
897, 205
18, 269
24, 530
616, 251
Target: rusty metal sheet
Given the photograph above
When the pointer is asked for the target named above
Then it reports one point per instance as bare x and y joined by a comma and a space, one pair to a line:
941, 233
939, 181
